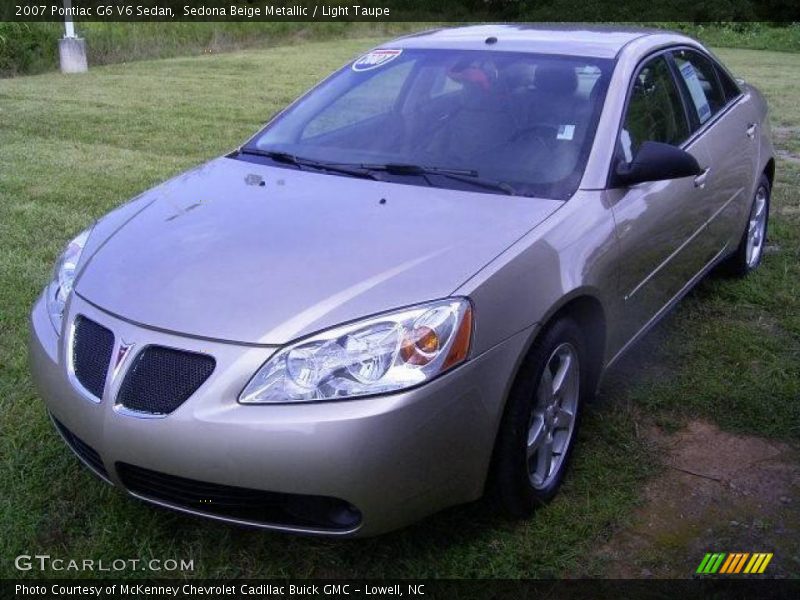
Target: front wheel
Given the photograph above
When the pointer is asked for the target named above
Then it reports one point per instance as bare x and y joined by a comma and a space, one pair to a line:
751, 247
541, 421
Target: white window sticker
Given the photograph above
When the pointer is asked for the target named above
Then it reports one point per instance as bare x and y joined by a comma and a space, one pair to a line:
696, 91
376, 58
565, 132
627, 145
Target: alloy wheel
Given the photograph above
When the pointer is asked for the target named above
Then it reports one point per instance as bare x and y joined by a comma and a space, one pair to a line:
756, 228
552, 423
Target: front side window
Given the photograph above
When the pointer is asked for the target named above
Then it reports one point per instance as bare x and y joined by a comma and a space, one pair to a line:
700, 77
524, 120
655, 110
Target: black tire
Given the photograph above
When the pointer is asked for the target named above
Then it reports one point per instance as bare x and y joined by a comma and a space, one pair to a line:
739, 265
511, 482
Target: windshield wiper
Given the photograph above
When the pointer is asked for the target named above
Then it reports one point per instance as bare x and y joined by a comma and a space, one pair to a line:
470, 176
367, 171
282, 157
302, 163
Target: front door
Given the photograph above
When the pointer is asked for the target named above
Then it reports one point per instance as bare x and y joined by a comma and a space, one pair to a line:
659, 224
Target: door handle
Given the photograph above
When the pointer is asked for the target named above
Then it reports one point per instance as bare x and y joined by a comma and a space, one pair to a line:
700, 180
751, 130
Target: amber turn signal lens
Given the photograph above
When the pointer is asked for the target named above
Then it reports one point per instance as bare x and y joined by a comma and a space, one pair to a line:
426, 340
420, 346
460, 348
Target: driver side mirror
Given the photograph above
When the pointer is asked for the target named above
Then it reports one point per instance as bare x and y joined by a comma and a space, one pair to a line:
656, 161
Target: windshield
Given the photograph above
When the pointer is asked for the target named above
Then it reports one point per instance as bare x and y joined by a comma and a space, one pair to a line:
523, 123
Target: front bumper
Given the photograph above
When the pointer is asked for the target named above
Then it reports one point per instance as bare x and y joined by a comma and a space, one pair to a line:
395, 458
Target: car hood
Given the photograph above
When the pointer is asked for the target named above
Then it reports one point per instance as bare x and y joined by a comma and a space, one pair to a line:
257, 254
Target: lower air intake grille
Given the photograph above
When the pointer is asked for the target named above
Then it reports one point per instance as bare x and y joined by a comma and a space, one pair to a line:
161, 379
88, 454
242, 504
92, 345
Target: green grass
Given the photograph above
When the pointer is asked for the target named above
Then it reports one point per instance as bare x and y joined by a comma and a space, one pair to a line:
28, 48
71, 148
753, 35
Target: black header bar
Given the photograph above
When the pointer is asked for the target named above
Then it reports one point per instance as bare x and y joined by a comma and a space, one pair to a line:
697, 11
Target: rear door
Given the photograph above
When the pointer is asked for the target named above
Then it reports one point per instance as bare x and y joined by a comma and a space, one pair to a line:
723, 119
660, 223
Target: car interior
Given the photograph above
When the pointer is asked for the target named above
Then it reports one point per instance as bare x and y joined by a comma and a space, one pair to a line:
512, 118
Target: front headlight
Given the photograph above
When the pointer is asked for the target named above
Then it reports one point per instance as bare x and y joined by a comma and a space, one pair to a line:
382, 354
60, 287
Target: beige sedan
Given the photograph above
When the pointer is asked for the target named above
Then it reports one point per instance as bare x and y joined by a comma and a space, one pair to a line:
402, 291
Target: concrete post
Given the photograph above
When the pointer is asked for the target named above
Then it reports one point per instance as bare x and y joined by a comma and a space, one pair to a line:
71, 49
72, 55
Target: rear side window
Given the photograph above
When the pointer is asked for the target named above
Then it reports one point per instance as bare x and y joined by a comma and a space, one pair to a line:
700, 78
655, 110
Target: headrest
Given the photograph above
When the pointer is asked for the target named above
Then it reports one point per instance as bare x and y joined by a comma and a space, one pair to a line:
471, 76
556, 79
519, 75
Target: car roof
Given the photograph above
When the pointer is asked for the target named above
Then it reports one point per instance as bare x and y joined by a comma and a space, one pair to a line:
569, 39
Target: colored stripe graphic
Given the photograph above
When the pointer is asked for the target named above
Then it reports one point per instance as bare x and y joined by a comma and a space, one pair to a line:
732, 559
703, 564
741, 562
711, 563
733, 563
758, 563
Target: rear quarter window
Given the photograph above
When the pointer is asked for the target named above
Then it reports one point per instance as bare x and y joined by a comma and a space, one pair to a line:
729, 86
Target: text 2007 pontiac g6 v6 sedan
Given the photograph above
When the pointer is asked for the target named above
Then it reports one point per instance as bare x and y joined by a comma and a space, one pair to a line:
401, 292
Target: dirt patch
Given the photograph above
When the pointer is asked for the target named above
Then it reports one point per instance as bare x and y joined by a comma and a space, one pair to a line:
788, 156
785, 139
789, 211
720, 492
785, 133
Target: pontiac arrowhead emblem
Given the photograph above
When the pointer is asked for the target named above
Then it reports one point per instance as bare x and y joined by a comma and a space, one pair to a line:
122, 352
